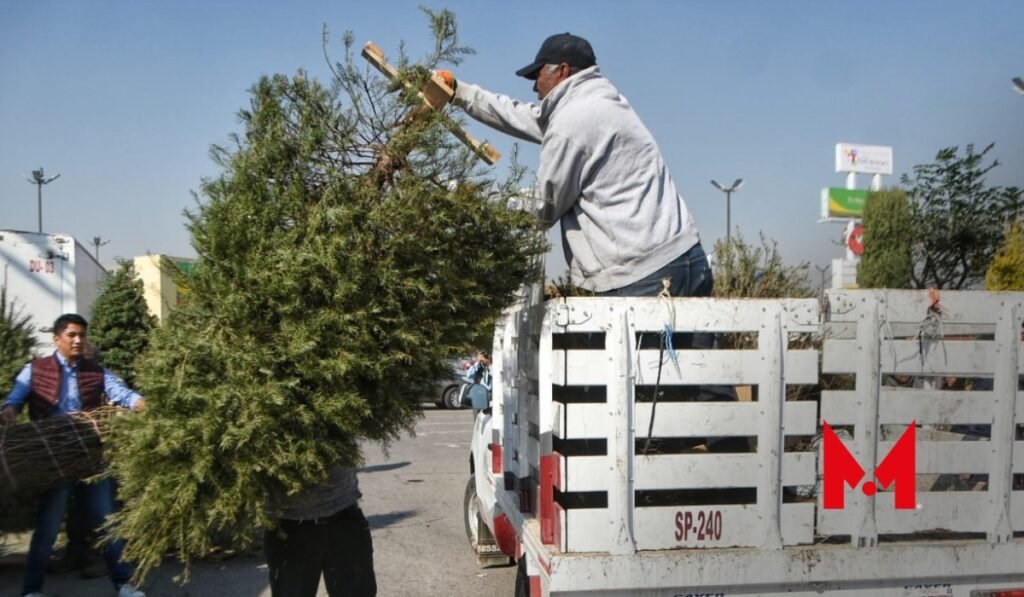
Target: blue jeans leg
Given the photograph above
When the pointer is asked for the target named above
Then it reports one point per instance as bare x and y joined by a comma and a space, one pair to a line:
50, 515
97, 501
688, 275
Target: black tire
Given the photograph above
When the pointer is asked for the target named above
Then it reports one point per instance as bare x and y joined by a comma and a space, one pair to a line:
447, 396
481, 541
471, 514
453, 399
522, 579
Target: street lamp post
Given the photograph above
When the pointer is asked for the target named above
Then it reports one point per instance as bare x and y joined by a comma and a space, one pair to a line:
728, 205
821, 289
98, 242
39, 179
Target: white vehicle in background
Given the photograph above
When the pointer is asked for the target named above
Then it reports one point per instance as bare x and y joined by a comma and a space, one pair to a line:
47, 275
589, 467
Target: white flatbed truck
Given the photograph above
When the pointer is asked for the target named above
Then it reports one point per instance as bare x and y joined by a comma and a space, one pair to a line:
565, 484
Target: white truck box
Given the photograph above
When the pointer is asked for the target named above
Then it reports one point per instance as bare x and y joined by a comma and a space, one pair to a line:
48, 275
561, 482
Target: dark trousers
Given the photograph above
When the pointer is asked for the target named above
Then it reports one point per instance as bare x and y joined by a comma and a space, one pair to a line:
81, 537
688, 275
97, 502
339, 547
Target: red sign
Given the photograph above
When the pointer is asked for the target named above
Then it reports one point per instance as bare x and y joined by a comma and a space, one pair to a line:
856, 240
841, 468
38, 266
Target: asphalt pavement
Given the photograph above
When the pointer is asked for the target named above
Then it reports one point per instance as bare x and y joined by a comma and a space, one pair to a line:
412, 496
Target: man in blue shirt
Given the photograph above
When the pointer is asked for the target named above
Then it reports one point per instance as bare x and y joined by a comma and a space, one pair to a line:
62, 383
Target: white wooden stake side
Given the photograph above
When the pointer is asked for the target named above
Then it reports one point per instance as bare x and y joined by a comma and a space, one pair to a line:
584, 396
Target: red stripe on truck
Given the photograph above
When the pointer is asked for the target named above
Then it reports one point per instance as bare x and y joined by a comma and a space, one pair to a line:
505, 535
550, 512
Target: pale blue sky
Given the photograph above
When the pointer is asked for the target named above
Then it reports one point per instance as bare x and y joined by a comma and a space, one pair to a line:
123, 99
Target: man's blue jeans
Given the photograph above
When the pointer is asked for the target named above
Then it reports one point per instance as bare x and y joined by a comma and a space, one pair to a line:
688, 275
97, 503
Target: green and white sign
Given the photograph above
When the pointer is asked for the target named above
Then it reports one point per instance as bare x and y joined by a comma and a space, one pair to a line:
843, 203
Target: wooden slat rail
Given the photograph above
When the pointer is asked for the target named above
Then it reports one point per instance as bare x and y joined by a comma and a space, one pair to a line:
975, 335
598, 360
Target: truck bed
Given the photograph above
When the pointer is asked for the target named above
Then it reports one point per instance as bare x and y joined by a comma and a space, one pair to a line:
623, 476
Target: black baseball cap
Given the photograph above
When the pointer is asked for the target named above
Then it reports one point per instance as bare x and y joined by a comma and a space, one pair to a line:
562, 47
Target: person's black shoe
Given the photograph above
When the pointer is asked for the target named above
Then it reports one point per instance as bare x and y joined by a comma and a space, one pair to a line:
94, 566
66, 562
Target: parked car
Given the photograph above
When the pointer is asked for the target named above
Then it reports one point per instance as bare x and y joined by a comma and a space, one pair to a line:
447, 393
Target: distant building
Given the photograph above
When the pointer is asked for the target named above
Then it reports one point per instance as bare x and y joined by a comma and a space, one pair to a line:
162, 280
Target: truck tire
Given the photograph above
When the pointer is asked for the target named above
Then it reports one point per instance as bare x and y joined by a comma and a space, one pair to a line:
480, 539
471, 514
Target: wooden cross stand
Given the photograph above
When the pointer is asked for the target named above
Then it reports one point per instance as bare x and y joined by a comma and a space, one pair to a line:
435, 95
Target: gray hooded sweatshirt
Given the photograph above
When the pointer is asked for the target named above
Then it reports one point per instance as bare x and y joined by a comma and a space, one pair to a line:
339, 491
601, 174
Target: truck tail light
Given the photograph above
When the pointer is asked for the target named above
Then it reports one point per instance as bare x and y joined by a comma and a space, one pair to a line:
495, 458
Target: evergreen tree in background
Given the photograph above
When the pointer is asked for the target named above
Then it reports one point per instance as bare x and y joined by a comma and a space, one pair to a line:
121, 322
17, 341
1007, 269
888, 230
17, 345
348, 248
958, 218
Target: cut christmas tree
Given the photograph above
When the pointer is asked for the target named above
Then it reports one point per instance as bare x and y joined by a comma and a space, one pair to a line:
344, 252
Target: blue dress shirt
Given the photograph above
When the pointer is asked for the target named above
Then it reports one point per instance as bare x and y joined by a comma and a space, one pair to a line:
68, 399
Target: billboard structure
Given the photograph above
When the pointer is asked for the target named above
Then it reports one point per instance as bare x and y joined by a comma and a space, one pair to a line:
863, 159
839, 203
847, 204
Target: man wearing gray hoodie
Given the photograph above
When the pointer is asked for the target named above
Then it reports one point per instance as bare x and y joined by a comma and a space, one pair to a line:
625, 227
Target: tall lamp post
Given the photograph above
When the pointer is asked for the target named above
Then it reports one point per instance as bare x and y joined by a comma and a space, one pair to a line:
98, 242
821, 289
728, 205
39, 179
